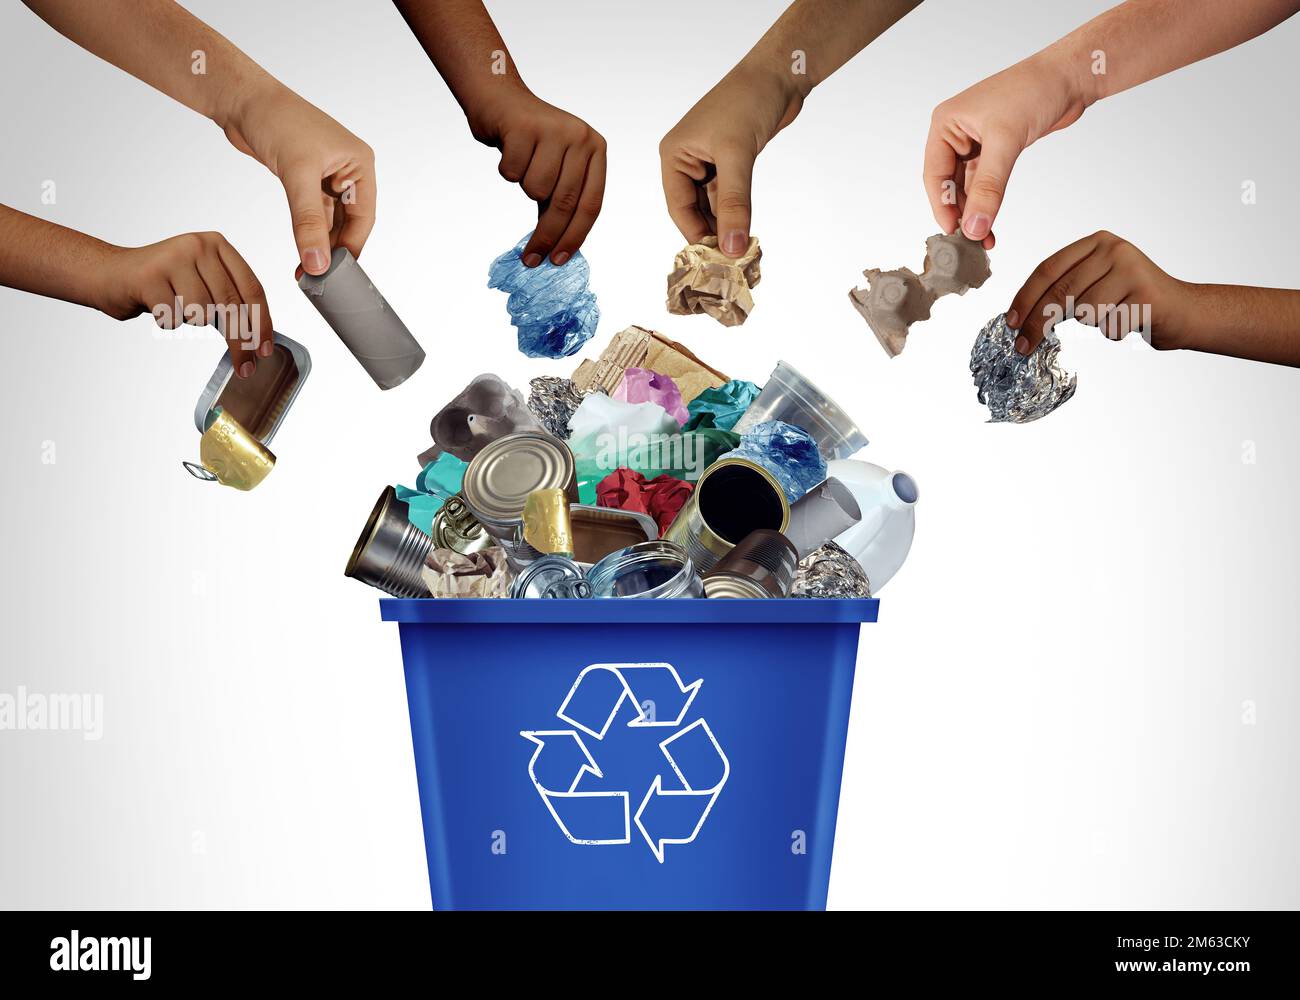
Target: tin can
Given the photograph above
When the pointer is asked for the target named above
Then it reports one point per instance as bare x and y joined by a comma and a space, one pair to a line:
551, 576
762, 564
658, 569
390, 552
725, 585
238, 418
500, 477
733, 498
454, 528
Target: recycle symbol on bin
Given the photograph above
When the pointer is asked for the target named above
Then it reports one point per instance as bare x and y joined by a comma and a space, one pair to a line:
673, 808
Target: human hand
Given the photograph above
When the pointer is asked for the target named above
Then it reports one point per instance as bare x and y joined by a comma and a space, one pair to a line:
559, 161
977, 136
327, 172
197, 279
1102, 281
707, 159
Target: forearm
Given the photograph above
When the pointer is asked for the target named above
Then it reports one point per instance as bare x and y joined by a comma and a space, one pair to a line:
51, 260
814, 38
1259, 324
163, 45
1140, 40
465, 47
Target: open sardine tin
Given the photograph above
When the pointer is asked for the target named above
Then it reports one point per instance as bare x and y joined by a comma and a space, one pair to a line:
238, 418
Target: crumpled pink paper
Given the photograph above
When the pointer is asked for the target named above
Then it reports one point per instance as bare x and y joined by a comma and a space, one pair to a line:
641, 385
662, 497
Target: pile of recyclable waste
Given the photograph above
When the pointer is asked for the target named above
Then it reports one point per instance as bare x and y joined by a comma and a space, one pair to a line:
646, 474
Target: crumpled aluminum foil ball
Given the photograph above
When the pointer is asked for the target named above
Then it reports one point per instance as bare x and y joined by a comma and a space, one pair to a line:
1018, 389
830, 572
553, 401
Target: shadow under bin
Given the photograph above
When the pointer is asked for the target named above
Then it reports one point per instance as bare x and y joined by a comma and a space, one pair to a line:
625, 754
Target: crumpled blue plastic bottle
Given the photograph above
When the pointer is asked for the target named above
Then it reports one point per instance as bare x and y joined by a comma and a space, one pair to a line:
786, 451
552, 307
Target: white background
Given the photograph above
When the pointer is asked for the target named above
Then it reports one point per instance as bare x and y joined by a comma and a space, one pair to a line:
1055, 708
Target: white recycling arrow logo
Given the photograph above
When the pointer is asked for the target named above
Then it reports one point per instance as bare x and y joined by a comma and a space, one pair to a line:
674, 808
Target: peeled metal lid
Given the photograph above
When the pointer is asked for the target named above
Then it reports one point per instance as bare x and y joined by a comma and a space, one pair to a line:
551, 576
731, 585
500, 477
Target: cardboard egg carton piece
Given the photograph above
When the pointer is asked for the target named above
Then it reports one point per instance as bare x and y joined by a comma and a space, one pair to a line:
637, 347
894, 300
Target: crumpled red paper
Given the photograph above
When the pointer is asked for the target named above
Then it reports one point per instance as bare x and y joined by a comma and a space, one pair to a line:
662, 497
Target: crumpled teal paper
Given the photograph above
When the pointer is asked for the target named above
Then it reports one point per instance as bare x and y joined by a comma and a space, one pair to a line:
786, 451
640, 385
437, 483
700, 449
420, 507
728, 403
442, 476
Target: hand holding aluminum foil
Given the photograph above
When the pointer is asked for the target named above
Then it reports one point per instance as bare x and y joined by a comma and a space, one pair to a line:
1018, 389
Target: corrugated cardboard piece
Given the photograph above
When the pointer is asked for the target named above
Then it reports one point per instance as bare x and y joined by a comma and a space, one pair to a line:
637, 347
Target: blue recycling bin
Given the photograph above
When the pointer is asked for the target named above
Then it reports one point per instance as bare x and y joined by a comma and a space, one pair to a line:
629, 754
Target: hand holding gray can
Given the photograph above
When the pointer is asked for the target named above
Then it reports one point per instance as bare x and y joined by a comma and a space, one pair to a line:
363, 320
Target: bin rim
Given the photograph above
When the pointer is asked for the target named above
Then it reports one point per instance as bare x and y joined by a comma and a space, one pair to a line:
596, 611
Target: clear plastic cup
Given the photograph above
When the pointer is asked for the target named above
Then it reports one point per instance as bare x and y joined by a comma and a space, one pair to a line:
790, 397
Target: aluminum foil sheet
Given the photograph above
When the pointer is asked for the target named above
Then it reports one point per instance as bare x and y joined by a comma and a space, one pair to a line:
830, 572
553, 401
1016, 388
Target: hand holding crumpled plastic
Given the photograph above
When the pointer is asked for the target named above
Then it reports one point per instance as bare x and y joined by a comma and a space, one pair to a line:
640, 385
551, 306
662, 497
786, 451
